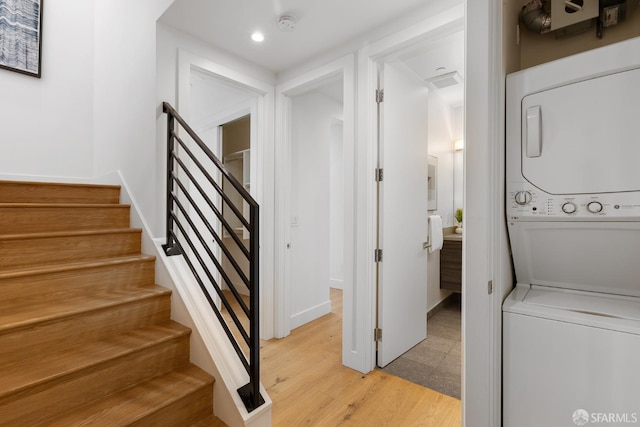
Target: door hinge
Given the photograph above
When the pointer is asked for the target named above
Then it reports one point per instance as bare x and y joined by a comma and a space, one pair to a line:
379, 95
490, 287
377, 334
378, 174
377, 255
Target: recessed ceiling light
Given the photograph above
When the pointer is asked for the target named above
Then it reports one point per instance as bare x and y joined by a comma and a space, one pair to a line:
257, 37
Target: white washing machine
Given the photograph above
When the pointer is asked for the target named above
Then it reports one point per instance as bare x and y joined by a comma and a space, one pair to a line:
571, 326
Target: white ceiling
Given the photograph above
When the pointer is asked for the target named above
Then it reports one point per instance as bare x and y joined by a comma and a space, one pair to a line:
323, 26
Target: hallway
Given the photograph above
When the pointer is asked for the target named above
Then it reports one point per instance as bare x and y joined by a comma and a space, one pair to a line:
309, 386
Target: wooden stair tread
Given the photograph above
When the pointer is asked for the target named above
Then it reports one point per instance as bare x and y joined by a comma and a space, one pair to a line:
55, 191
63, 233
63, 206
133, 404
18, 218
22, 312
33, 371
66, 266
59, 247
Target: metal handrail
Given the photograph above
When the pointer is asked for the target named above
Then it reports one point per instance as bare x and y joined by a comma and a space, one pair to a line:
186, 226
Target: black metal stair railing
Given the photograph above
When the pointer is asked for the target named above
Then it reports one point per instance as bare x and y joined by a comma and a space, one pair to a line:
200, 213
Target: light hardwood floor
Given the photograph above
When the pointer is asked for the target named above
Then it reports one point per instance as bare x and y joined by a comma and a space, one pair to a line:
308, 385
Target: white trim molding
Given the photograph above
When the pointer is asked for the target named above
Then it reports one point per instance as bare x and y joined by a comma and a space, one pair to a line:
485, 253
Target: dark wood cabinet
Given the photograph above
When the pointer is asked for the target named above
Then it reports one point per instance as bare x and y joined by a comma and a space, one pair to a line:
451, 265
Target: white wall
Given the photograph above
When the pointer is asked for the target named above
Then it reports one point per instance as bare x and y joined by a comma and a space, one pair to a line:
170, 40
124, 94
312, 116
47, 123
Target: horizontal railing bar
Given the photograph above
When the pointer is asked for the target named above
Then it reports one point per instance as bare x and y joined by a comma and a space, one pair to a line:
221, 319
167, 108
226, 303
212, 205
214, 259
216, 237
192, 179
217, 187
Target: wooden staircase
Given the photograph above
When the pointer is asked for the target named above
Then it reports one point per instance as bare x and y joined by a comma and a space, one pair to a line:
86, 337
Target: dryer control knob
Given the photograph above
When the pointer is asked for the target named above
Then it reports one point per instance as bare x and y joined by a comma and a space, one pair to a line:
594, 207
523, 197
569, 208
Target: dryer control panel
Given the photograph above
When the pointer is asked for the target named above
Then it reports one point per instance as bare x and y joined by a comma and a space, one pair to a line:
527, 203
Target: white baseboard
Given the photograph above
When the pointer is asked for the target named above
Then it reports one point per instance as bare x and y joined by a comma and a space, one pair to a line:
310, 314
336, 283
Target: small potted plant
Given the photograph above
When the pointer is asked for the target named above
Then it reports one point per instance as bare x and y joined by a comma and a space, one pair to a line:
458, 216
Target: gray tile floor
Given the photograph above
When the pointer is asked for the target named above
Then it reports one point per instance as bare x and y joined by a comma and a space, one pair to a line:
435, 363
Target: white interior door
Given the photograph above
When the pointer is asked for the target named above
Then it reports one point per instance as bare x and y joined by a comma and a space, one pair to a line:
402, 273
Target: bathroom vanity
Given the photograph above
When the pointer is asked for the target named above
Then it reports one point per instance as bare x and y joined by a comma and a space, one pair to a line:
451, 262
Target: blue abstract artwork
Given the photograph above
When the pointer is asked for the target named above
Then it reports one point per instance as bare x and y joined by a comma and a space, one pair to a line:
20, 34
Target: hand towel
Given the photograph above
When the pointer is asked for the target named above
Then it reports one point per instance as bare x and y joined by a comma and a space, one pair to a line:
435, 233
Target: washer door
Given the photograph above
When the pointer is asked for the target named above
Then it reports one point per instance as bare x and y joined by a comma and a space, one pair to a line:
584, 137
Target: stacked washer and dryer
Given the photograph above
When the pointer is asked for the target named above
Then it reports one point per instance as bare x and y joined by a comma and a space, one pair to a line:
571, 326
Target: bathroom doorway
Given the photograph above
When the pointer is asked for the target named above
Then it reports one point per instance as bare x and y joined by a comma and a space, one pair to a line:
435, 362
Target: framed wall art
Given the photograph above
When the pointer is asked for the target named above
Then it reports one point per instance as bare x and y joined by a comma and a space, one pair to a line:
21, 36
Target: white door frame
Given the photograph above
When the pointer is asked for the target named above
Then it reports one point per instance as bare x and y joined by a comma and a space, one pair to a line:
263, 155
344, 68
486, 255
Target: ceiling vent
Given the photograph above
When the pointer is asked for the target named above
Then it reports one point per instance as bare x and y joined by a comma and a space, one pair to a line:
445, 80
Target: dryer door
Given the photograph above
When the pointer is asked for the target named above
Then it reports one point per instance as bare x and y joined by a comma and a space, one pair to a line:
584, 137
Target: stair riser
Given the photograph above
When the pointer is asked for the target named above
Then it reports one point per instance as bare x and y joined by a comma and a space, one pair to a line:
37, 219
28, 192
17, 252
184, 412
49, 337
110, 276
35, 406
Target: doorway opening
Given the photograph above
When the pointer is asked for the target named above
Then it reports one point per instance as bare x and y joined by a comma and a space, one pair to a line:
433, 70
316, 205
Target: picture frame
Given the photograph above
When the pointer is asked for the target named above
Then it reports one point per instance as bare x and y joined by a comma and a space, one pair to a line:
21, 36
432, 183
